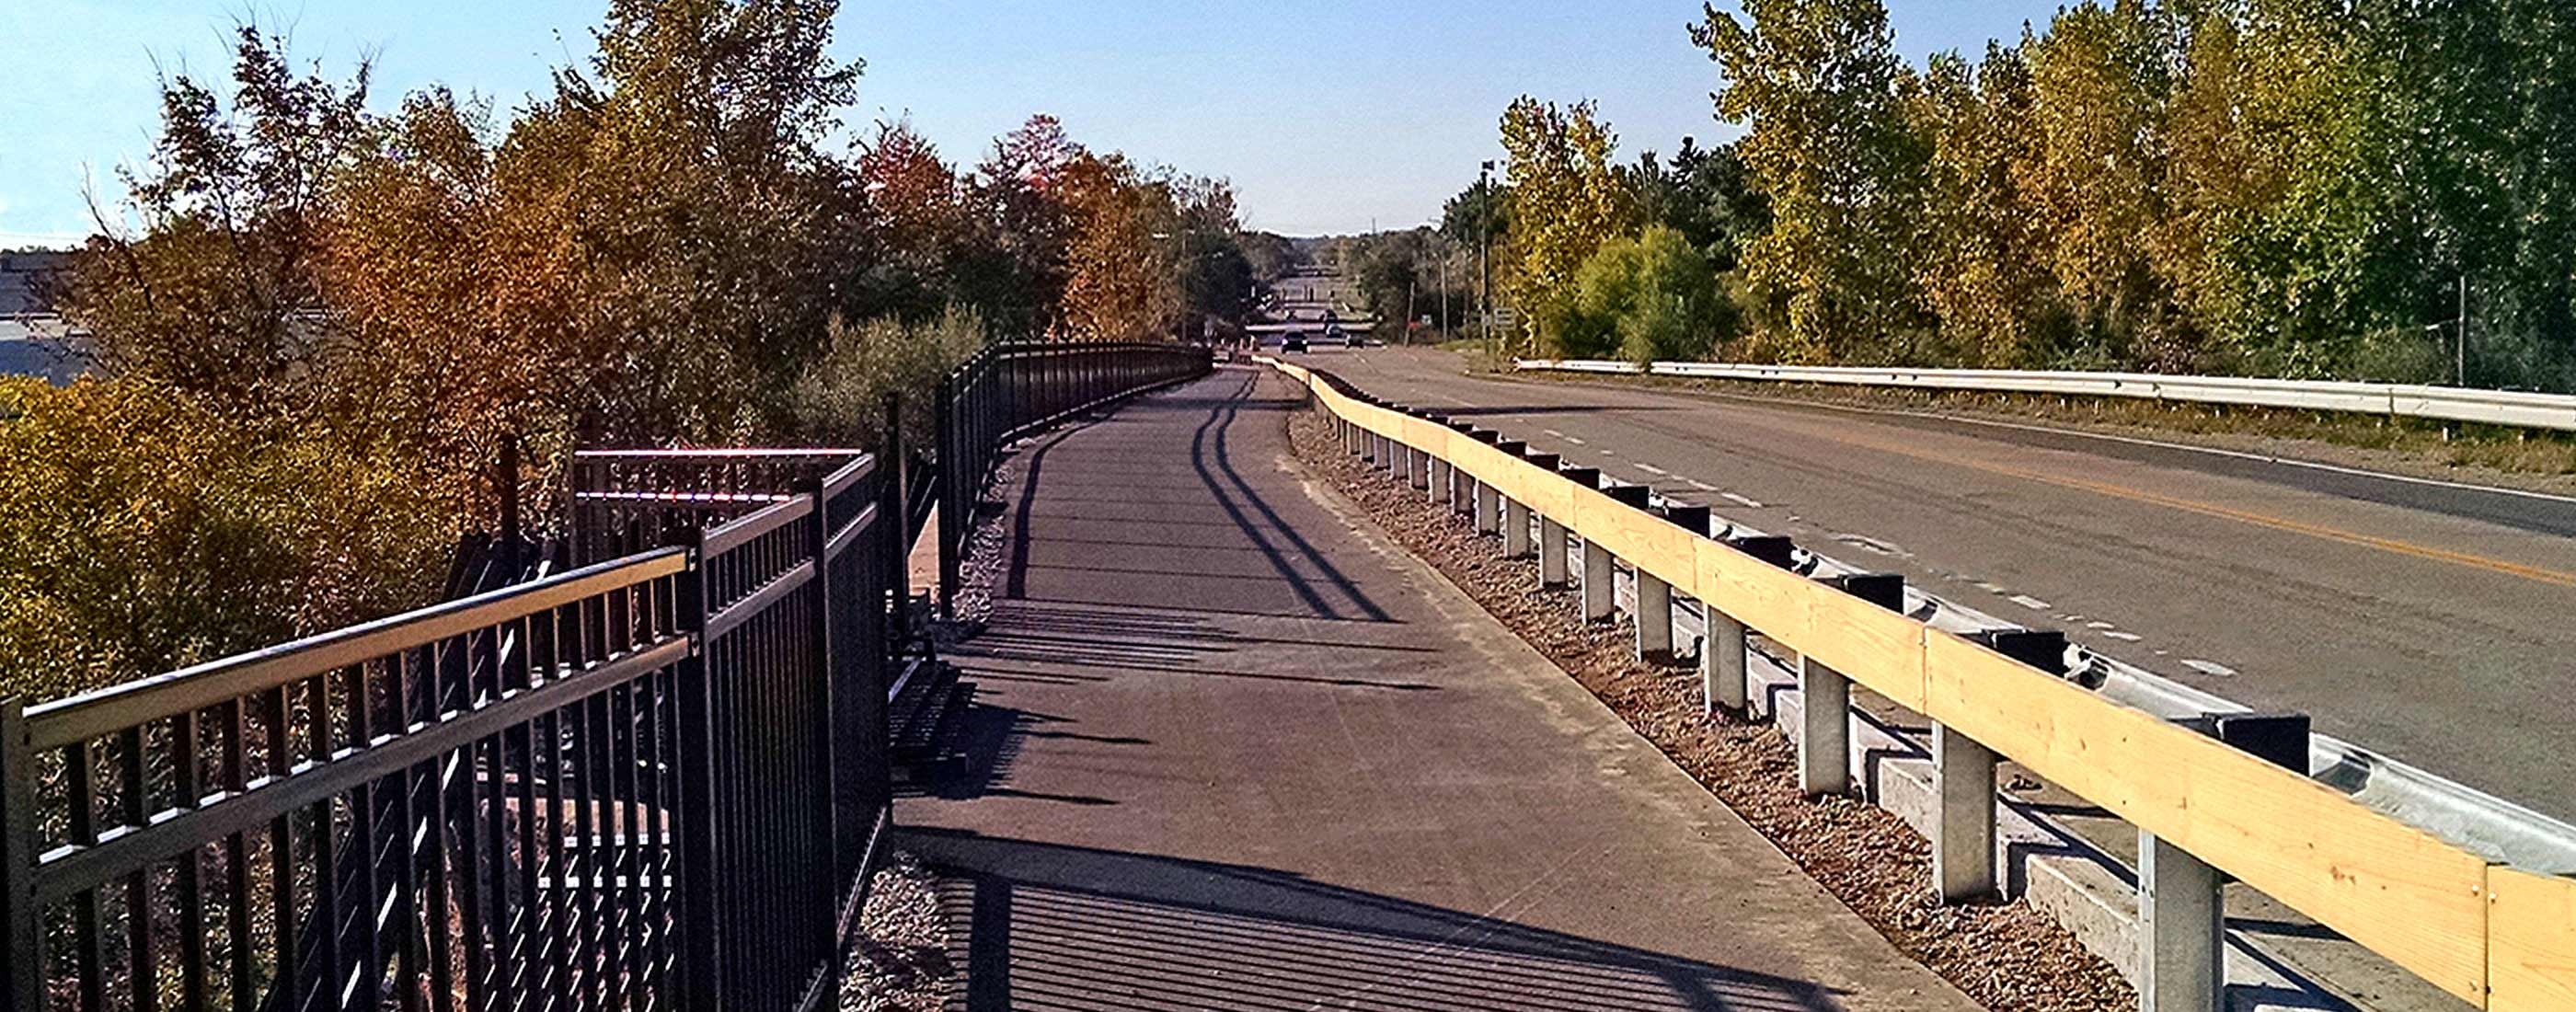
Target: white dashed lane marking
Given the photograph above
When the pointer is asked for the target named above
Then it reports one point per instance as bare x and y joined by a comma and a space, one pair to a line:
1744, 502
2029, 602
2209, 667
1578, 442
1700, 485
1652, 469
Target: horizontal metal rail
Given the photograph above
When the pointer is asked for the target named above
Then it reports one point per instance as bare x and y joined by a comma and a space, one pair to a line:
2402, 400
2383, 870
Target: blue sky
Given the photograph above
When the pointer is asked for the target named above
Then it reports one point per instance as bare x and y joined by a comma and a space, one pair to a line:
1327, 116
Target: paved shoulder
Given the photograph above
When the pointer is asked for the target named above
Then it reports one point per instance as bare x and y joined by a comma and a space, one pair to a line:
1235, 752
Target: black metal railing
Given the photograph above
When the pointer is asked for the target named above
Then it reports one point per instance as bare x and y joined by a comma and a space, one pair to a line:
1009, 389
656, 781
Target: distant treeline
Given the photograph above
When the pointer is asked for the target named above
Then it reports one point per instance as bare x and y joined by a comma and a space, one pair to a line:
2303, 188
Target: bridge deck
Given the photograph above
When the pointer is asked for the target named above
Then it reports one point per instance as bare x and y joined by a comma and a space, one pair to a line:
1236, 752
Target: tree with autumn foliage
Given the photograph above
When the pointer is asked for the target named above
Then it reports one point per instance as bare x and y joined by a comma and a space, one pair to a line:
314, 324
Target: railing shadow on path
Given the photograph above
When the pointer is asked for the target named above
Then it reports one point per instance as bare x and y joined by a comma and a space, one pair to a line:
1076, 927
1320, 588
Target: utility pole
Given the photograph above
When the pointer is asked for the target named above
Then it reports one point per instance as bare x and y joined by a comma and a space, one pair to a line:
1484, 254
1445, 332
2460, 347
1408, 310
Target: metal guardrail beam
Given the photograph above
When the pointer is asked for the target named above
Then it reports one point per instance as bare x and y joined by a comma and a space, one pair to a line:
2401, 400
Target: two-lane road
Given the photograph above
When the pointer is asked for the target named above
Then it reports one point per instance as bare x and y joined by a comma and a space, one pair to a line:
2434, 623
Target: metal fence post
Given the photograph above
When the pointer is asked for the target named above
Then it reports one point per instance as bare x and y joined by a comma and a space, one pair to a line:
22, 971
818, 615
701, 934
894, 500
953, 468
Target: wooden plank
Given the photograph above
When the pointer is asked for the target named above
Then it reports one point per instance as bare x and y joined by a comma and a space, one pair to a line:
2391, 887
2531, 941
1639, 538
1869, 644
1766, 598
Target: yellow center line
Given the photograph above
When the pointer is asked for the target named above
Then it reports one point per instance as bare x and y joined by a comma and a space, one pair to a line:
2534, 573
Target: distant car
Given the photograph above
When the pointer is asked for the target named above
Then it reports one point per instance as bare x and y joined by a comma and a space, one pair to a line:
1293, 342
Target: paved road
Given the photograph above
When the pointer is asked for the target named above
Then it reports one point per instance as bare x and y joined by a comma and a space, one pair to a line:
1234, 752
2436, 624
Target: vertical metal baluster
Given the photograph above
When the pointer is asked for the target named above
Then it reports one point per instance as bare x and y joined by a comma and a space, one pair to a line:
87, 908
281, 857
143, 964
559, 916
526, 935
411, 920
326, 872
364, 844
437, 772
188, 792
237, 859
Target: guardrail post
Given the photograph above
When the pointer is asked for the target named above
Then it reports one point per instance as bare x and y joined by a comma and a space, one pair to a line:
1963, 841
22, 944
1600, 602
1653, 613
1963, 837
2180, 930
1824, 749
1516, 529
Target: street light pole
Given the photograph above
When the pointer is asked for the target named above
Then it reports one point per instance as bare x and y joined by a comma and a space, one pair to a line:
1484, 254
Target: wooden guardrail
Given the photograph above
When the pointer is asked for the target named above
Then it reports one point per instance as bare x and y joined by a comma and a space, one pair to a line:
2500, 938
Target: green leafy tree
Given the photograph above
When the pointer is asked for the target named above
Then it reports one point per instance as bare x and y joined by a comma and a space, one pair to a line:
1650, 297
1821, 90
1567, 199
